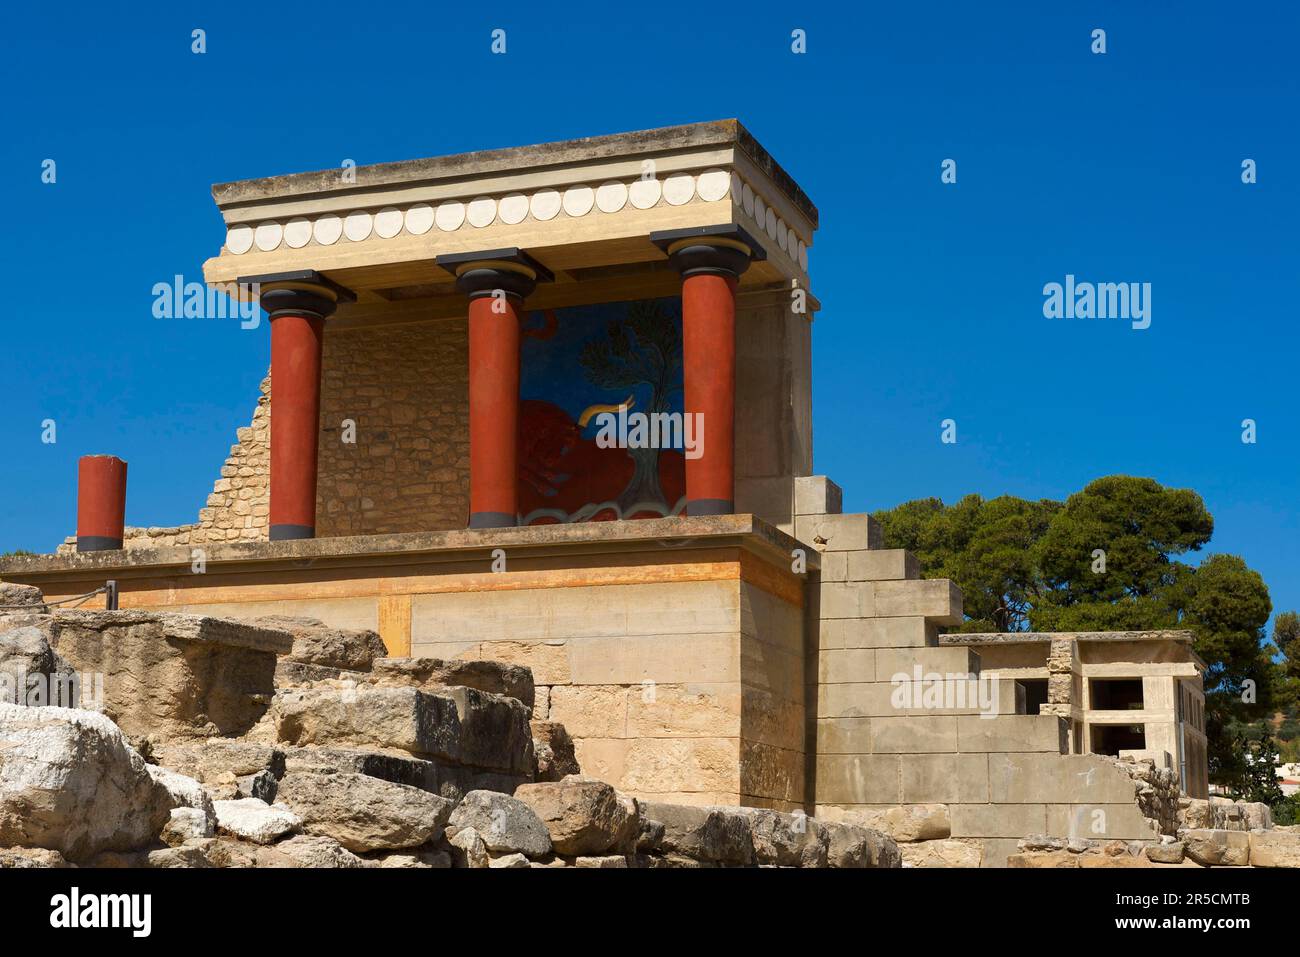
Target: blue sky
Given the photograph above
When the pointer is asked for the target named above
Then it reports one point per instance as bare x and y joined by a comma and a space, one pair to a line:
1117, 167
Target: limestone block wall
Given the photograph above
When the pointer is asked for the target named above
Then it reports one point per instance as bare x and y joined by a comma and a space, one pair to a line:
1003, 774
406, 388
690, 691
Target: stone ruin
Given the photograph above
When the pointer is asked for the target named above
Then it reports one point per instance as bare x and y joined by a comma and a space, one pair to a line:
284, 742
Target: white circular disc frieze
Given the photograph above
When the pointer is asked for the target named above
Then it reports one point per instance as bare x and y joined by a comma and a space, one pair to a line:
578, 200
357, 225
645, 193
450, 216
611, 197
239, 239
679, 188
481, 211
419, 219
268, 236
513, 208
388, 222
545, 204
327, 229
297, 232
713, 185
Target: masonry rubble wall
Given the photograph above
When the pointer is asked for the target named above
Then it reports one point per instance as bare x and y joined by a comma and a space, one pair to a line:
385, 763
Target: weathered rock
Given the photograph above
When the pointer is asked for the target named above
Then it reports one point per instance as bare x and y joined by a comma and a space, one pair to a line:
1171, 853
397, 767
702, 833
364, 813
70, 782
316, 643
1274, 848
435, 674
1219, 813
582, 815
786, 840
261, 785
170, 677
184, 792
1043, 842
918, 822
193, 854
30, 672
608, 860
225, 851
28, 857
420, 859
187, 824
1256, 815
16, 597
494, 731
468, 849
1041, 859
848, 845
297, 674
308, 850
219, 760
556, 758
438, 776
1125, 860
943, 852
256, 821
1217, 847
505, 824
401, 718
508, 861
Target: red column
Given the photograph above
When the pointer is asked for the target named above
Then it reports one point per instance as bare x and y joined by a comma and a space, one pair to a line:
101, 502
711, 260
709, 378
493, 411
296, 341
298, 303
496, 282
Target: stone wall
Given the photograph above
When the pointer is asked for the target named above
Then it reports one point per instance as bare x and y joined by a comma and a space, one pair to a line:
1001, 773
684, 691
352, 759
406, 388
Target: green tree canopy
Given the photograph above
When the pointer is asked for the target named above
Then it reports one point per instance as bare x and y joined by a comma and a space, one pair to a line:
1108, 558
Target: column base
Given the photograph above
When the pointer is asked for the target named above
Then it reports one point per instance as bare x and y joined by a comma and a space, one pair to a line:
97, 543
284, 533
493, 520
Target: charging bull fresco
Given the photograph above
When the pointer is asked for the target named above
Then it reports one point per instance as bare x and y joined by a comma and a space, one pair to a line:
598, 437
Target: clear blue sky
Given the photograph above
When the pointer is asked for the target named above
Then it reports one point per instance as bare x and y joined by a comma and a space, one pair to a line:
1122, 167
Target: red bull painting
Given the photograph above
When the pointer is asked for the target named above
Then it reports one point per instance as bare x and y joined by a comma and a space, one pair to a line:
583, 369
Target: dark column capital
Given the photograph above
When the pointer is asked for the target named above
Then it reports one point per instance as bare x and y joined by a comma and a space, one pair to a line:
301, 292
725, 250
479, 274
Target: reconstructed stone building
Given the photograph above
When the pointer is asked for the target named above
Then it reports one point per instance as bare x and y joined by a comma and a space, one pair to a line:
552, 406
